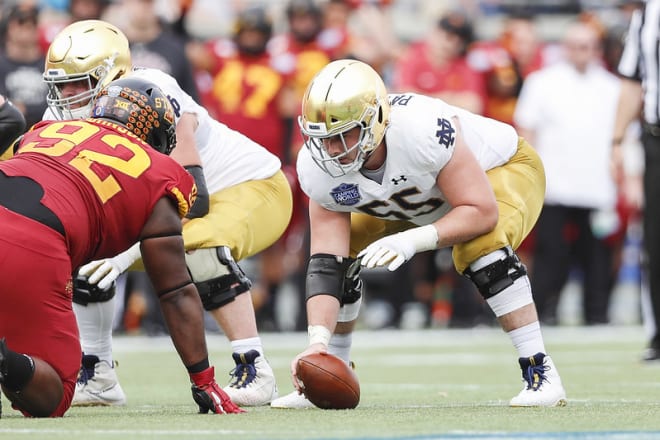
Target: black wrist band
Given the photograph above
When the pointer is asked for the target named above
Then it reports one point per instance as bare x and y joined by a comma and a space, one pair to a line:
201, 206
199, 366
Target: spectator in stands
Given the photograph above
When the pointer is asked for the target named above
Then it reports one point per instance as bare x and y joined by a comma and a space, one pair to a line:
22, 61
437, 65
507, 61
152, 43
367, 29
76, 10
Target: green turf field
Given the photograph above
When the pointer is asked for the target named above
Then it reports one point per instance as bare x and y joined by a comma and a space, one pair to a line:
435, 384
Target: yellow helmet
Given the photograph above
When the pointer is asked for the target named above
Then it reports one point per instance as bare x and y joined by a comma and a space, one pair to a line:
90, 50
345, 94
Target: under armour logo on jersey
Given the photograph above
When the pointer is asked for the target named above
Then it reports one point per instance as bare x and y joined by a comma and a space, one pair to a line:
445, 134
400, 179
347, 194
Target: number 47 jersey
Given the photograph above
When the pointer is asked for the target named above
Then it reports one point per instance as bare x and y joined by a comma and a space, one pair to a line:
101, 182
420, 141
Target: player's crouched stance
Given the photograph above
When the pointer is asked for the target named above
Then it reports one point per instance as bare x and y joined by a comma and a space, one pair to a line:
390, 176
64, 202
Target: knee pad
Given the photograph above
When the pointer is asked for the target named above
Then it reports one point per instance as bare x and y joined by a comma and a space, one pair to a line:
498, 275
85, 293
218, 278
325, 276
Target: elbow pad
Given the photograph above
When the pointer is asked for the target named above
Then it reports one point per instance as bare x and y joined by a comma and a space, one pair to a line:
12, 125
201, 206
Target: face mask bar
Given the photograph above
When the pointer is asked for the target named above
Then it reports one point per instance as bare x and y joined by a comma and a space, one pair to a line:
72, 107
332, 164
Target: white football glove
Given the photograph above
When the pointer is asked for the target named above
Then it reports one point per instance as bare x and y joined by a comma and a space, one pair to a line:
394, 250
104, 272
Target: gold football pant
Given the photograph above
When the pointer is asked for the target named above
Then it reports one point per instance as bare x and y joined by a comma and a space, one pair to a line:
247, 218
519, 187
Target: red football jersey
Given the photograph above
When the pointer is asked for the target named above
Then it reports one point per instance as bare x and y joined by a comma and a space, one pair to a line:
244, 96
100, 180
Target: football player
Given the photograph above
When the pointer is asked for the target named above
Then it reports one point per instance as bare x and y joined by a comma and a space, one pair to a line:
390, 176
245, 206
65, 195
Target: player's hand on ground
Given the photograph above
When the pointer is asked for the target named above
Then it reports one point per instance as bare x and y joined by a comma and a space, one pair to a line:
313, 348
209, 396
391, 251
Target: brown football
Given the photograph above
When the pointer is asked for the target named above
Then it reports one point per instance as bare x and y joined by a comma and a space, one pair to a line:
329, 383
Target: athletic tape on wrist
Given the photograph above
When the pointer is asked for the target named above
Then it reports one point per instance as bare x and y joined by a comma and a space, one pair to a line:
318, 334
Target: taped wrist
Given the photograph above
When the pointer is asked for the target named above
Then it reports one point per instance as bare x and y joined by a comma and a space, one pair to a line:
201, 206
199, 366
326, 275
318, 334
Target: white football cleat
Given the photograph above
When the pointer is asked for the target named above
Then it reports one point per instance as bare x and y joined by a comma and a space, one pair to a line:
542, 385
292, 400
97, 384
253, 381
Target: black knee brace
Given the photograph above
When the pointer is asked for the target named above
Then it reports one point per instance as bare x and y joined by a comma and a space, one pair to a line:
85, 293
499, 275
353, 285
228, 279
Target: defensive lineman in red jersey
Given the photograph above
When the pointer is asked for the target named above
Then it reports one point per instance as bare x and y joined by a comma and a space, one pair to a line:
83, 190
95, 159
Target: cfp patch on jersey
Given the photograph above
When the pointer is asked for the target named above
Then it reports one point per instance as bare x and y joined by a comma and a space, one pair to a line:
445, 133
347, 194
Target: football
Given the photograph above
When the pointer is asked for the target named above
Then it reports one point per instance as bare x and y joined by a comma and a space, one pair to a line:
328, 382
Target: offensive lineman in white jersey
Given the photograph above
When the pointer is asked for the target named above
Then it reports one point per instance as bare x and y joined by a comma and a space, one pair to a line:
246, 206
389, 176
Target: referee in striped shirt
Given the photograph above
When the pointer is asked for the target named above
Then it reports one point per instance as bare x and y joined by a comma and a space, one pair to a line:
639, 68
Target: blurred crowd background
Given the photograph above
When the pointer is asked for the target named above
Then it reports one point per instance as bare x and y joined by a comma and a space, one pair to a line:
248, 62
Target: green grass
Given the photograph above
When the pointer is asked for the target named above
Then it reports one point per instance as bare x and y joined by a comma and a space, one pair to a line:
424, 384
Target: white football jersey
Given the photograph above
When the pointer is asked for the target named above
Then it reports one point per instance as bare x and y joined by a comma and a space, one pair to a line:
420, 141
228, 157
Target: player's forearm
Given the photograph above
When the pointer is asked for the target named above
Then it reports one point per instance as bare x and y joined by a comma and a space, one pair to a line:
183, 314
186, 152
628, 108
323, 310
463, 223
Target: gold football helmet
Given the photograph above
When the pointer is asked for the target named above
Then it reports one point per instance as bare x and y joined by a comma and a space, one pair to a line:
90, 51
345, 94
